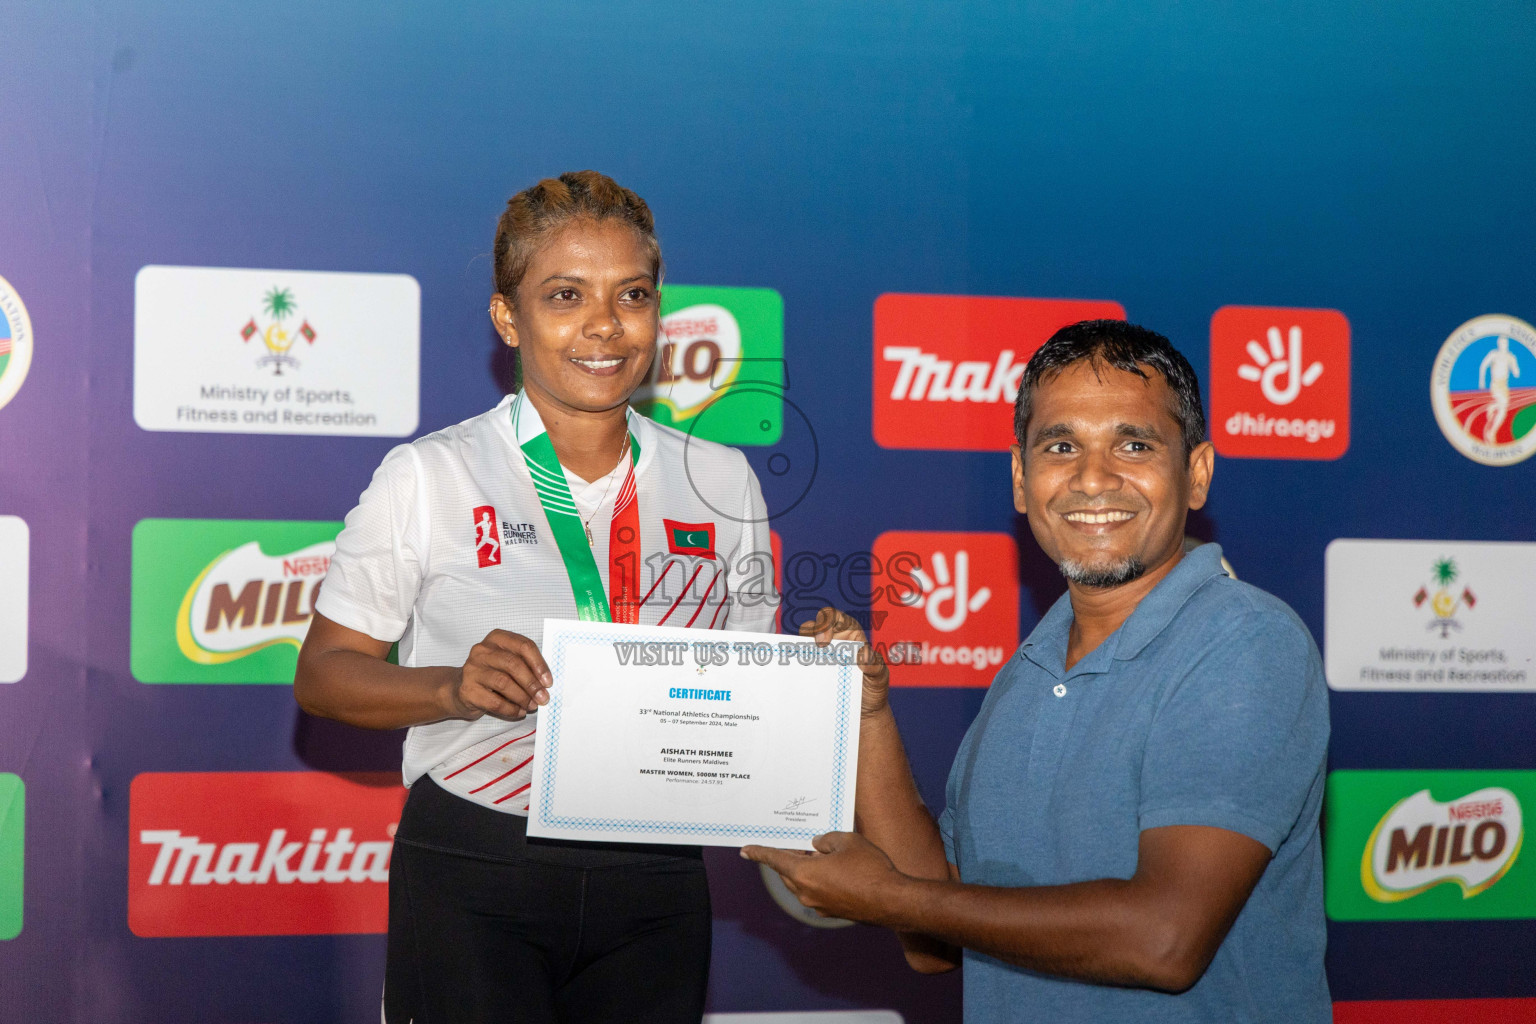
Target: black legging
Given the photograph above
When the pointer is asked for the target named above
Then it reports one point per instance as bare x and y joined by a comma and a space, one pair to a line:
486, 925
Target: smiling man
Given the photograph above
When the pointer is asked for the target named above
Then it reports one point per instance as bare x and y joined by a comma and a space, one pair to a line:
1132, 822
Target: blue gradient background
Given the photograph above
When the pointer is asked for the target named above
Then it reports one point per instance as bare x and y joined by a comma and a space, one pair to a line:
1174, 158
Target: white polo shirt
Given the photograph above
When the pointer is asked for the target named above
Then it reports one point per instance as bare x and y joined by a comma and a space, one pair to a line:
450, 541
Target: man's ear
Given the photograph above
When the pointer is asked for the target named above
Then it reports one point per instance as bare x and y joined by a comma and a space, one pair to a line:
1019, 502
501, 319
1202, 463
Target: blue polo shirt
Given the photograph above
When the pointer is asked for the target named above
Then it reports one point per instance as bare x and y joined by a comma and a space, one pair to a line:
1206, 707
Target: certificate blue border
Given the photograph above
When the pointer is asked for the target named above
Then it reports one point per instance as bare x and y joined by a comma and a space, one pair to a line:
845, 683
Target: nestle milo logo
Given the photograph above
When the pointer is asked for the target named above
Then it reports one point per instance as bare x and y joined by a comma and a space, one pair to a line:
1421, 842
1428, 845
246, 600
718, 372
224, 601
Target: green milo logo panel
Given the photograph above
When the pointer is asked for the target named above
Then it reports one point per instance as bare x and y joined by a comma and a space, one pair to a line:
224, 600
13, 827
719, 370
1428, 845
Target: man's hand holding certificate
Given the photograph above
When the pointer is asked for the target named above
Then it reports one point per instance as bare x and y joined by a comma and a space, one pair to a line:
662, 735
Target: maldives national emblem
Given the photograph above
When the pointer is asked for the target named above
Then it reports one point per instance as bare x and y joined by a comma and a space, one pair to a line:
1483, 388
278, 304
15, 342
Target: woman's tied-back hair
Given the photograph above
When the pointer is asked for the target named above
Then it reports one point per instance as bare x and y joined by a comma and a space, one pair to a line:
1126, 347
534, 213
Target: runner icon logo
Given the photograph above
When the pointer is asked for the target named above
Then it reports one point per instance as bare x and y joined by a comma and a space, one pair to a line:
487, 546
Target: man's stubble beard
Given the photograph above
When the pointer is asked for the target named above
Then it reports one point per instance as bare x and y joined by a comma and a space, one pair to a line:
1112, 575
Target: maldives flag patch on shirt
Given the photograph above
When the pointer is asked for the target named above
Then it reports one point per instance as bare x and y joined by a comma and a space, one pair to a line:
690, 538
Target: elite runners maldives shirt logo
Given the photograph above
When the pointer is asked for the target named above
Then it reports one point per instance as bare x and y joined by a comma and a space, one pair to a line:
719, 367
947, 367
15, 581
260, 853
953, 615
15, 342
224, 601
13, 830
1406, 845
1483, 389
1280, 382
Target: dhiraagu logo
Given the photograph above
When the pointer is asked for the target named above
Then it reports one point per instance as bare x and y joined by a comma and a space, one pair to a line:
224, 600
1405, 845
719, 369
13, 827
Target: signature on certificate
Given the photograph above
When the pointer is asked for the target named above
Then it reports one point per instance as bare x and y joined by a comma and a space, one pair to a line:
796, 804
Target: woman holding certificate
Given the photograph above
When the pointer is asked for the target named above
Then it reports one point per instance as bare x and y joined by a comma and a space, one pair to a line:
560, 502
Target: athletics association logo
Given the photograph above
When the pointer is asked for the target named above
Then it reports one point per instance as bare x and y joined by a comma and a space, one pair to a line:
955, 614
1427, 845
1441, 598
719, 367
1280, 382
260, 853
1483, 389
280, 306
15, 342
947, 367
224, 601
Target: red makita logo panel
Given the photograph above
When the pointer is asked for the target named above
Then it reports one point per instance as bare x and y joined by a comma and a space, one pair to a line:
954, 606
1279, 382
260, 853
487, 544
947, 367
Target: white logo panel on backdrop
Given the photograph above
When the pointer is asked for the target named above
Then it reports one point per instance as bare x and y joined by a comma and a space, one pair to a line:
1430, 615
14, 542
229, 351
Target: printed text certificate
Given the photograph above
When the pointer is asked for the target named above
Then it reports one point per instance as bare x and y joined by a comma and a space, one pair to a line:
654, 734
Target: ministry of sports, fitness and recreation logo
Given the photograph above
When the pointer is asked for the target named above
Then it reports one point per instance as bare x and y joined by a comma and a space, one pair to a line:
1443, 600
719, 369
13, 827
224, 601
1426, 845
277, 334
1483, 388
15, 342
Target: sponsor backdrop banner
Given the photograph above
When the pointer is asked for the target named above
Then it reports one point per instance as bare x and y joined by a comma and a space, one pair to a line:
245, 254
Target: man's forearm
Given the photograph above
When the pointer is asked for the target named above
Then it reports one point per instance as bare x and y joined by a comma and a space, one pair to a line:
888, 810
1108, 931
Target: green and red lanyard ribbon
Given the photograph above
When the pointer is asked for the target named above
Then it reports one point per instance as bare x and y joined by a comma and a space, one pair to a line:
622, 602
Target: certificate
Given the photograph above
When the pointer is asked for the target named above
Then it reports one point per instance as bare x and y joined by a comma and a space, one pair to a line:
654, 734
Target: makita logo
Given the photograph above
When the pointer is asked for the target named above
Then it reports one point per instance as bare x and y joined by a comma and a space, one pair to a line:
187, 860
261, 853
947, 367
924, 377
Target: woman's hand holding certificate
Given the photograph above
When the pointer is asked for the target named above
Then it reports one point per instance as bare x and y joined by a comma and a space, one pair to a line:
662, 735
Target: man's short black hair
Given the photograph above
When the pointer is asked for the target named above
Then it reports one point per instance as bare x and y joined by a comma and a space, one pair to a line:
1126, 347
